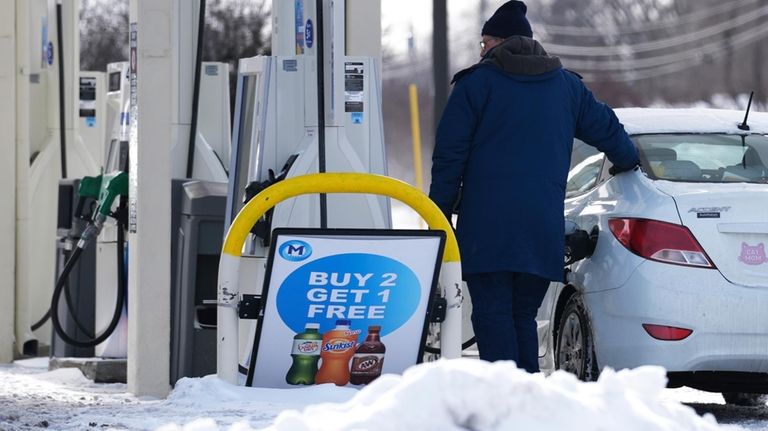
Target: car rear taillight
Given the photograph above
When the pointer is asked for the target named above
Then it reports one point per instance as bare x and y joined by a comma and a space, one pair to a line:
660, 241
666, 333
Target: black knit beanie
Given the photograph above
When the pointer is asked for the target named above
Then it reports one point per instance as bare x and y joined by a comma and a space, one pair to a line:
508, 20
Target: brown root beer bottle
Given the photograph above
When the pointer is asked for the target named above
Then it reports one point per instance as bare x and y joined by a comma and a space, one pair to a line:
368, 359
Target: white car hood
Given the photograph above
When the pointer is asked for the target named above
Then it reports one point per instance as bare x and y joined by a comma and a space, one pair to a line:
730, 221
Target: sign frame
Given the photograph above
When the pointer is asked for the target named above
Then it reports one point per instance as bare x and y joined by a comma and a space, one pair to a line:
354, 233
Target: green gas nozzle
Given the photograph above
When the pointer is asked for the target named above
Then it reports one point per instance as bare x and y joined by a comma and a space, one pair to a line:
112, 186
89, 187
107, 188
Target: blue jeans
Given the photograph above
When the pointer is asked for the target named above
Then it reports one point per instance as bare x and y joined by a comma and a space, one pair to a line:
504, 307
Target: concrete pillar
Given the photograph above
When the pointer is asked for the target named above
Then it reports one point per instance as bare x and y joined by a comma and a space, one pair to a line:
7, 176
149, 265
364, 28
284, 26
24, 108
37, 133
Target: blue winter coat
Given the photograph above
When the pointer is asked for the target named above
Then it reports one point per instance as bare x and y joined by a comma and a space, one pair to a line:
505, 140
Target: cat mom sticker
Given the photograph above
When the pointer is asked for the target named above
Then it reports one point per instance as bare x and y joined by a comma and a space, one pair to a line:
753, 255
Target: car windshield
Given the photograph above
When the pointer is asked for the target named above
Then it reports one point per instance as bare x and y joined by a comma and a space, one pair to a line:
711, 158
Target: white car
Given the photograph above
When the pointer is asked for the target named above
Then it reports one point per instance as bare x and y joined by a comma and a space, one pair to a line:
679, 274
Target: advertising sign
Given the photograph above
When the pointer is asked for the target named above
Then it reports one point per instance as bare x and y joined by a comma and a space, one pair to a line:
133, 157
344, 306
299, 10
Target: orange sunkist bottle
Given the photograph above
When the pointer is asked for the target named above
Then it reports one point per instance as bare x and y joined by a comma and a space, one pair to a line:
337, 349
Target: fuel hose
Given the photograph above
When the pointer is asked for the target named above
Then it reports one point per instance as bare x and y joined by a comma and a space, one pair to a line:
121, 288
69, 301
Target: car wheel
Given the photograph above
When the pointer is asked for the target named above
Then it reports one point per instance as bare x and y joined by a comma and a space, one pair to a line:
574, 351
745, 399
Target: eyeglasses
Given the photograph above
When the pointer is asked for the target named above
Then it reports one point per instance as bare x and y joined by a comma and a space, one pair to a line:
484, 44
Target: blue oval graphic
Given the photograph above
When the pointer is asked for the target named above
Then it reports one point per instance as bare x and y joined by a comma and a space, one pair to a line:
367, 289
49, 53
295, 250
309, 33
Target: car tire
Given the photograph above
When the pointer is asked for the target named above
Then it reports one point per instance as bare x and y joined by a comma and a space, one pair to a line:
745, 399
574, 350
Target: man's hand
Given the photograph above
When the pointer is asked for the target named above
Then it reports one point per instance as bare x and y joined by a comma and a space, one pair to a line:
615, 170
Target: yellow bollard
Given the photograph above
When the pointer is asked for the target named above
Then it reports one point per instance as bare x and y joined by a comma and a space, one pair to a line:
416, 133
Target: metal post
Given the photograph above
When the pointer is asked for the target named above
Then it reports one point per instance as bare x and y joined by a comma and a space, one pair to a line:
321, 107
440, 56
62, 90
196, 91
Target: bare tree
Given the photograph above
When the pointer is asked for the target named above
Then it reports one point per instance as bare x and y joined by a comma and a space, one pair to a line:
234, 29
103, 33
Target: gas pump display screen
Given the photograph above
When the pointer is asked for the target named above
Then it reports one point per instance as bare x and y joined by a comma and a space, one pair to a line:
87, 97
354, 86
344, 306
114, 81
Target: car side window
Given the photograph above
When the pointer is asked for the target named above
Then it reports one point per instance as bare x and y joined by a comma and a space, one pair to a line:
586, 164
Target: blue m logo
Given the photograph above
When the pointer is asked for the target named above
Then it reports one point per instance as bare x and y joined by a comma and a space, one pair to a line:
295, 250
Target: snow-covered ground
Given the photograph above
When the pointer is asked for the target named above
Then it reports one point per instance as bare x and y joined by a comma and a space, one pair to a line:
464, 394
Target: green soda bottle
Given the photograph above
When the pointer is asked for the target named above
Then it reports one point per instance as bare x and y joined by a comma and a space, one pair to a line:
305, 354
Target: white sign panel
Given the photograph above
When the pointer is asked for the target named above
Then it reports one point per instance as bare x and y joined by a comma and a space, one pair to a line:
344, 306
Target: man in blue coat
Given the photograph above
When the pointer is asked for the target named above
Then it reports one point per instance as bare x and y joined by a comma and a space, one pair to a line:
505, 140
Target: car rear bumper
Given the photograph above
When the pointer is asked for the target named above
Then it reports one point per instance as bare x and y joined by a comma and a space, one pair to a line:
729, 322
721, 381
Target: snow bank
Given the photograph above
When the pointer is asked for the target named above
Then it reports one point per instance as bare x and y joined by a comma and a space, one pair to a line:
207, 391
70, 377
467, 394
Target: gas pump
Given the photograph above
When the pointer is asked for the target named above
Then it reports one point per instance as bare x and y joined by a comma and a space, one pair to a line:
91, 112
109, 193
308, 108
212, 149
80, 290
197, 203
95, 252
107, 244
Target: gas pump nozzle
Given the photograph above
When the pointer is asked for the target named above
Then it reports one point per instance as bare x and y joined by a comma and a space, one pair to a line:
579, 244
109, 188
